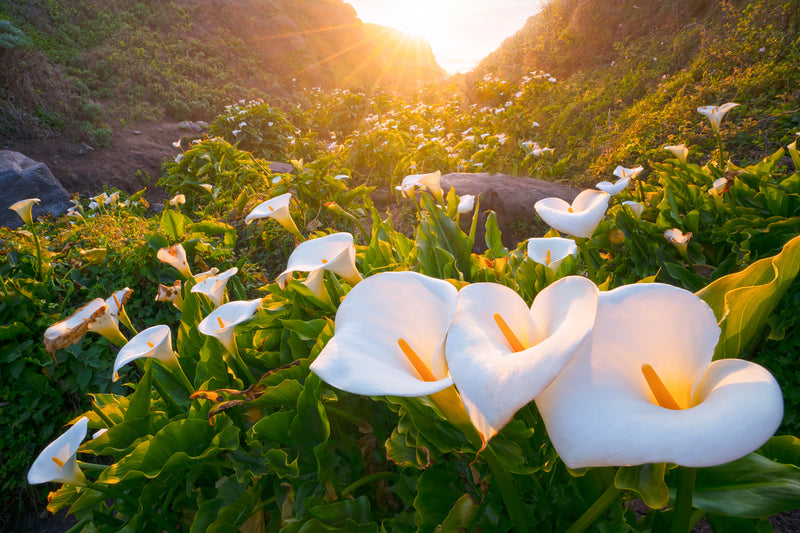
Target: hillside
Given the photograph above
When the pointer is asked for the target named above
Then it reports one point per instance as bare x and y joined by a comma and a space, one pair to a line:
85, 68
631, 74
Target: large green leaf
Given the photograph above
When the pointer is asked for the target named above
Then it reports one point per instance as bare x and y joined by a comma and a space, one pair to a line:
742, 302
750, 487
180, 445
647, 480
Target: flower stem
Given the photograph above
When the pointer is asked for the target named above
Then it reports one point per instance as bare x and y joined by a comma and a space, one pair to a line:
598, 507
166, 396
505, 483
721, 157
365, 480
104, 417
587, 256
39, 268
683, 501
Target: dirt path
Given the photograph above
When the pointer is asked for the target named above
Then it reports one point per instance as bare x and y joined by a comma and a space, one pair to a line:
85, 169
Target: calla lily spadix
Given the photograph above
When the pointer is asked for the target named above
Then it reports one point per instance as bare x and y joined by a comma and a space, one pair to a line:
636, 208
579, 219
335, 253
94, 316
153, 342
220, 323
715, 113
214, 286
389, 337
429, 182
278, 209
501, 353
57, 462
175, 256
630, 173
613, 188
679, 151
24, 209
551, 251
648, 392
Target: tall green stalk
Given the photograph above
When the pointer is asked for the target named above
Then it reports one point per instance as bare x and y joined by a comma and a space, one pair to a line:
683, 501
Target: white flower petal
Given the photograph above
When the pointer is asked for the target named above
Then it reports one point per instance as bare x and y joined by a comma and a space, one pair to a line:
588, 209
154, 342
551, 251
64, 449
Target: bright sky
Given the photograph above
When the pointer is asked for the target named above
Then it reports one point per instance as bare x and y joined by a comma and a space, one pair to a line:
461, 32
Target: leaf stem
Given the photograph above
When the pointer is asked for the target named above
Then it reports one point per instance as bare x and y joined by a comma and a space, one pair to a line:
598, 507
505, 483
587, 257
366, 480
683, 501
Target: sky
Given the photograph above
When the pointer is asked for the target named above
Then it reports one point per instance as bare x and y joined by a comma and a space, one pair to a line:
461, 32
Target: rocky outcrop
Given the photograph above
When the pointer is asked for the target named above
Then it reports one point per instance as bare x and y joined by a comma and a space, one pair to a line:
20, 178
510, 197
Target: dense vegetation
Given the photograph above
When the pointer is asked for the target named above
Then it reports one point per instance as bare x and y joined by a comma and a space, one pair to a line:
333, 472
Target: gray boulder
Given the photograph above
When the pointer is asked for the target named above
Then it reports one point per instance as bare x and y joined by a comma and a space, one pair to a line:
510, 197
20, 178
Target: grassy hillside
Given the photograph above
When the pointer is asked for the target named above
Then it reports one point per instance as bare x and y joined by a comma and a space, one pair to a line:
83, 67
629, 76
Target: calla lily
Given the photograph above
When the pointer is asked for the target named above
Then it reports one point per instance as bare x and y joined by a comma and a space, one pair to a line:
222, 320
177, 200
214, 286
171, 294
466, 203
153, 342
579, 219
389, 337
429, 182
94, 316
117, 300
622, 172
501, 353
613, 188
715, 113
24, 209
636, 208
334, 252
277, 208
57, 462
648, 392
175, 256
679, 151
207, 186
551, 251
719, 187
679, 239
202, 276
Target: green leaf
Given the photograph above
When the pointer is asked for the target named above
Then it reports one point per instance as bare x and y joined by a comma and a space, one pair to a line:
180, 445
784, 449
230, 509
436, 495
494, 241
461, 515
743, 301
647, 480
174, 224
750, 487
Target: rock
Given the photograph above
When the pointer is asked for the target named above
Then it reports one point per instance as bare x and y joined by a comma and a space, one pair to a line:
188, 125
22, 178
84, 149
202, 123
511, 197
280, 168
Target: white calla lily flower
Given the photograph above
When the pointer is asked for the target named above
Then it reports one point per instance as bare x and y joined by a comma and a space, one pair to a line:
202, 276
551, 251
175, 256
715, 113
214, 286
679, 239
335, 253
613, 188
630, 173
220, 323
276, 208
155, 342
117, 300
719, 187
648, 392
24, 208
389, 337
430, 182
679, 151
177, 200
57, 462
171, 294
636, 208
95, 316
466, 204
501, 353
580, 218
207, 186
